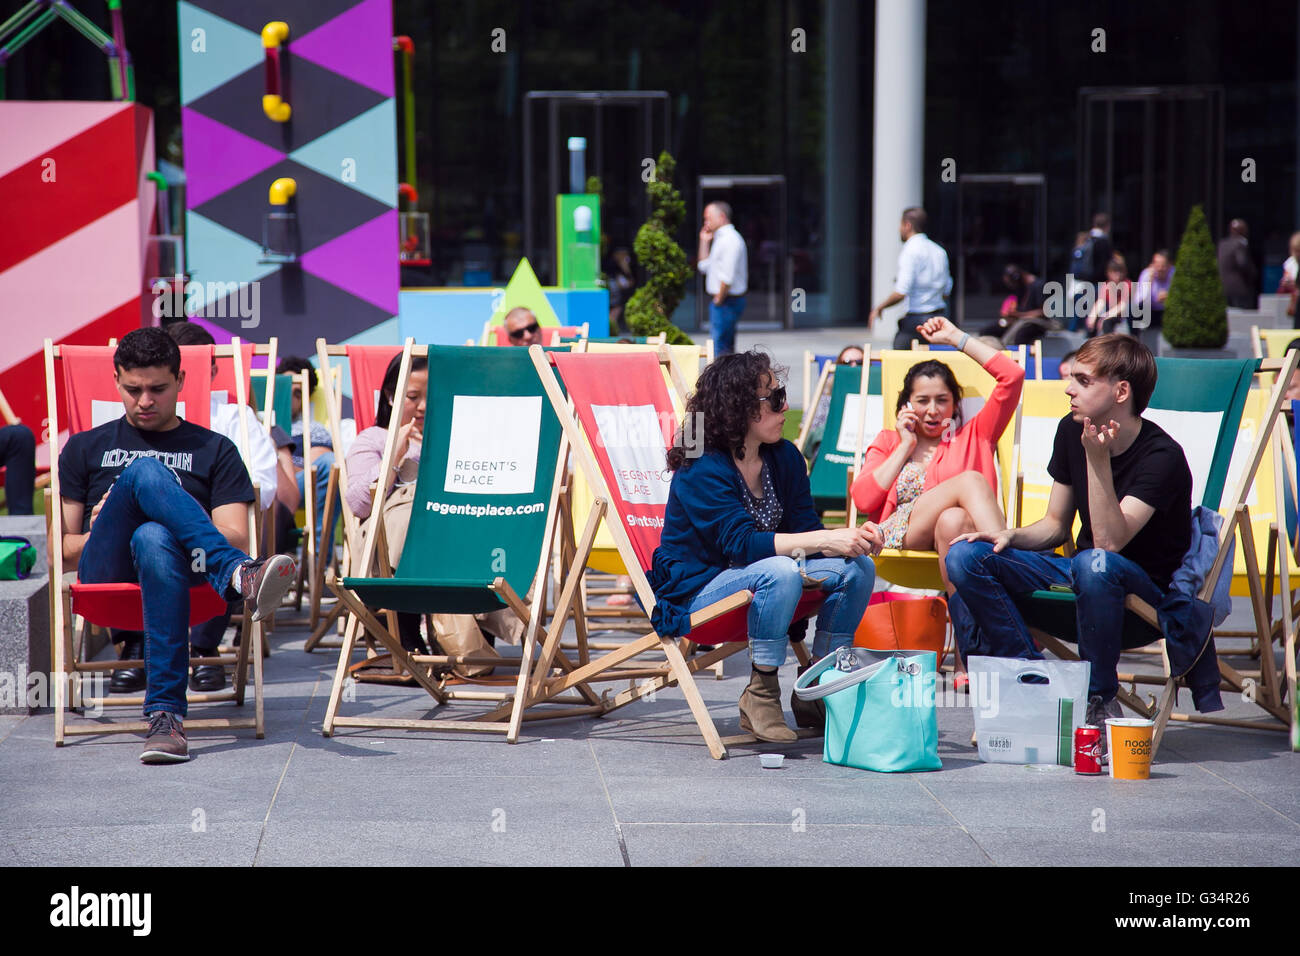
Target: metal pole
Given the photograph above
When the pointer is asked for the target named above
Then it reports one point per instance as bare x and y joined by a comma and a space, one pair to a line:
528, 178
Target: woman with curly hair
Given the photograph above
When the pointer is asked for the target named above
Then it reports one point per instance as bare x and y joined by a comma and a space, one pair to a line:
740, 517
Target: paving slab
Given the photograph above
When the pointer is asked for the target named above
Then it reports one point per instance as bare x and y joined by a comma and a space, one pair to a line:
785, 845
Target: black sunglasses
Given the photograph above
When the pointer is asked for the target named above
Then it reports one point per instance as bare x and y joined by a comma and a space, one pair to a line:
519, 333
775, 398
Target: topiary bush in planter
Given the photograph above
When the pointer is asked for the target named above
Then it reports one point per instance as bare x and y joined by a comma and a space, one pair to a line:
667, 270
1196, 312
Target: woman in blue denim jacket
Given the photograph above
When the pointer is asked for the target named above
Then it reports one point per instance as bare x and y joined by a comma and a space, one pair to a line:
740, 517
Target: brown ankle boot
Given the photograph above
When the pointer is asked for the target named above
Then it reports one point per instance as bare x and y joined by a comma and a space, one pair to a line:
760, 709
808, 713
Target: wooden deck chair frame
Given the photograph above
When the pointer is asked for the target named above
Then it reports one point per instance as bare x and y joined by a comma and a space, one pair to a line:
331, 381
514, 706
920, 569
1237, 524
65, 648
863, 394
630, 618
678, 670
627, 617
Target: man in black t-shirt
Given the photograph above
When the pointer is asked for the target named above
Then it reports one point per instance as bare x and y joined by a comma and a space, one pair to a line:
154, 499
1132, 488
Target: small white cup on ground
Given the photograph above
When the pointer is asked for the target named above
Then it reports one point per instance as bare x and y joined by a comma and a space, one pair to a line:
771, 761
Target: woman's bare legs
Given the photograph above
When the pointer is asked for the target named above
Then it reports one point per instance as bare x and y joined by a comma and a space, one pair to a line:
967, 491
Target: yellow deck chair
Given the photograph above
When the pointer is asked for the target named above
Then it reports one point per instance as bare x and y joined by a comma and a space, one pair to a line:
920, 569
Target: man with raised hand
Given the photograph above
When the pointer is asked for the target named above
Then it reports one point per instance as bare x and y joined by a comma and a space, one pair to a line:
724, 260
149, 498
1130, 483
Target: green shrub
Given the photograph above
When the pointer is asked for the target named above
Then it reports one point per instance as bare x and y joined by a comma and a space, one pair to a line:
663, 260
1196, 309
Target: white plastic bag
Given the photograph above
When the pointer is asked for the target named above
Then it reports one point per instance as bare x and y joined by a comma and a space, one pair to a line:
1028, 723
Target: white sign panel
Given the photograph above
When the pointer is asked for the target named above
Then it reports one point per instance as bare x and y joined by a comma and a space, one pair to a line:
493, 448
631, 436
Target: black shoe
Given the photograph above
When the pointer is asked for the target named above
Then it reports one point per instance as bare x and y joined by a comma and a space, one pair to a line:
808, 713
129, 680
208, 677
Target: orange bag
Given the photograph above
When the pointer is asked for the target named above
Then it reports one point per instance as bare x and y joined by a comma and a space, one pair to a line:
904, 622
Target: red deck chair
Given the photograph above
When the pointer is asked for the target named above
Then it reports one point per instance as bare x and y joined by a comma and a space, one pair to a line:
620, 406
366, 366
86, 373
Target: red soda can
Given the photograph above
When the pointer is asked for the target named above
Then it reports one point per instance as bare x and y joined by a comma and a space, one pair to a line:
1087, 749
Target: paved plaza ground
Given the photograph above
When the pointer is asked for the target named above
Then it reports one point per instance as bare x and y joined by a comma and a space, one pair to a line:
633, 789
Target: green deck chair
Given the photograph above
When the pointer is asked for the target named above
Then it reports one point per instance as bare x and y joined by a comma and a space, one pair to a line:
829, 475
481, 528
282, 397
1199, 402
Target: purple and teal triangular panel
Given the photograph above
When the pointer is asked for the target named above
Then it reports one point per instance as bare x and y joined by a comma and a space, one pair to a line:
339, 146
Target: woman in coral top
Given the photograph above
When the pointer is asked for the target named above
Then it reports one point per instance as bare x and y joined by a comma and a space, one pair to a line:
932, 478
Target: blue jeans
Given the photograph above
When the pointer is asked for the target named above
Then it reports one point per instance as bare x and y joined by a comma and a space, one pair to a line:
18, 457
988, 622
777, 586
321, 463
151, 532
722, 323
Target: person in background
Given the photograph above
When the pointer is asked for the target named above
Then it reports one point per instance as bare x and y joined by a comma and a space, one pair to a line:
1067, 362
1151, 292
322, 450
522, 327
922, 281
1112, 305
1290, 271
724, 261
621, 284
1237, 267
18, 457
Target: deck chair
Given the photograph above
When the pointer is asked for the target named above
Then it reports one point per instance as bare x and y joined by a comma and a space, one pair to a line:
87, 376
366, 365
223, 386
856, 412
620, 413
551, 334
1271, 343
681, 368
920, 569
480, 533
814, 368
1199, 402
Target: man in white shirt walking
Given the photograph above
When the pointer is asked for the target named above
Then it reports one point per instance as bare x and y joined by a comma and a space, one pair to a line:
725, 263
923, 279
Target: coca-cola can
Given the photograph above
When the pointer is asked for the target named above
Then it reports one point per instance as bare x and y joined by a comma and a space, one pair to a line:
1087, 750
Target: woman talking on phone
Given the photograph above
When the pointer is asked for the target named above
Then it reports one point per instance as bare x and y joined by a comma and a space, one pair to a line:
932, 477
